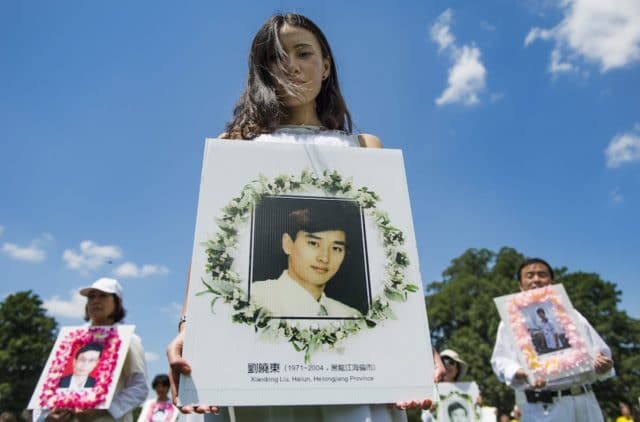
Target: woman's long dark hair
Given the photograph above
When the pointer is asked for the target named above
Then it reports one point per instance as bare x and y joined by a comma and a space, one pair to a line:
259, 109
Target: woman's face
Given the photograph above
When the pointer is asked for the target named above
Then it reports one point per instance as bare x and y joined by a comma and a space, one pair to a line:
451, 369
305, 66
100, 307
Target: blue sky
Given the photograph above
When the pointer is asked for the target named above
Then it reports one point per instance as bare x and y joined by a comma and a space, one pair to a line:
519, 123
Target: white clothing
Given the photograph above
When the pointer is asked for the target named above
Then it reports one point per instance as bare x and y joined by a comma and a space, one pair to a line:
329, 413
580, 408
426, 416
549, 333
76, 383
132, 388
284, 297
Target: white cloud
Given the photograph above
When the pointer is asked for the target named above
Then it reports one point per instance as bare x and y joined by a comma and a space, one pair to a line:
151, 357
538, 33
173, 309
131, 270
604, 32
34, 253
467, 75
466, 78
487, 26
71, 308
91, 256
623, 148
440, 32
496, 96
556, 65
29, 253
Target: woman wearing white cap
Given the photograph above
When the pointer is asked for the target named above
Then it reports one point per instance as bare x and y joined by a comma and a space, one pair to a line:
105, 307
455, 368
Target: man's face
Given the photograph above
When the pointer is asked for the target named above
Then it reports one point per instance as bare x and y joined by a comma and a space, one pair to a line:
314, 258
459, 415
85, 362
533, 276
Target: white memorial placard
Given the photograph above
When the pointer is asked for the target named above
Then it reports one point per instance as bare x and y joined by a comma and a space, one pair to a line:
304, 283
545, 332
457, 402
83, 368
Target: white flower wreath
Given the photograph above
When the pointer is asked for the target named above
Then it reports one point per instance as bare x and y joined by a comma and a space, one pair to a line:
225, 283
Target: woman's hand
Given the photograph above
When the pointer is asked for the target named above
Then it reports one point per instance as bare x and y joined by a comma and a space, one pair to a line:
181, 366
439, 370
413, 404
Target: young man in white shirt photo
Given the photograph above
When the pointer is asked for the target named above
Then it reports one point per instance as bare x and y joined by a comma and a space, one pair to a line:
315, 243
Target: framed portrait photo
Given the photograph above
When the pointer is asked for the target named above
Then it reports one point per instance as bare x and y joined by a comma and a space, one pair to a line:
83, 368
304, 272
545, 332
457, 402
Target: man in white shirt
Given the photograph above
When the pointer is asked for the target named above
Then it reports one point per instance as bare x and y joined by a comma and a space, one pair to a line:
86, 359
315, 243
568, 399
548, 330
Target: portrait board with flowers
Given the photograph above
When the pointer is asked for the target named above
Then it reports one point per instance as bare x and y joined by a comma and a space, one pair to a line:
304, 274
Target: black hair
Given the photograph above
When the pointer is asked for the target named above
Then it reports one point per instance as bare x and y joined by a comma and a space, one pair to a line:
259, 109
118, 313
96, 347
455, 406
530, 261
321, 216
161, 379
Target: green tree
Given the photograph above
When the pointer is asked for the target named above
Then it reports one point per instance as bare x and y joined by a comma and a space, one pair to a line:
26, 337
463, 316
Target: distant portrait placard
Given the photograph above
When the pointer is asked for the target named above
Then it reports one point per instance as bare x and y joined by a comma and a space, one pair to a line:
304, 269
457, 402
544, 330
83, 368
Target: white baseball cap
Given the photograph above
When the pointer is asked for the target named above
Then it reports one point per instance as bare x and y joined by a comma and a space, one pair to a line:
104, 284
453, 355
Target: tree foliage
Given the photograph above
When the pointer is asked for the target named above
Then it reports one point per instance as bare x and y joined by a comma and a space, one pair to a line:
26, 337
463, 317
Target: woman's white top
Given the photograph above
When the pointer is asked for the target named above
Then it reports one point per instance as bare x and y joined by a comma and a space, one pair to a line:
330, 413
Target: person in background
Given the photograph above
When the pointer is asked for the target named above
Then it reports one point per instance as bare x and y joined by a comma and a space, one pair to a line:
453, 368
566, 399
8, 417
625, 413
105, 307
515, 414
160, 409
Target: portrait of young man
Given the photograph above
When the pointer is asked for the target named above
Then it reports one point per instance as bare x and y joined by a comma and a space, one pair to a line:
84, 362
315, 239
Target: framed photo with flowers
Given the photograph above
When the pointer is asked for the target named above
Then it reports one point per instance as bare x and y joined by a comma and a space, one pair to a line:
305, 267
83, 368
457, 402
544, 330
